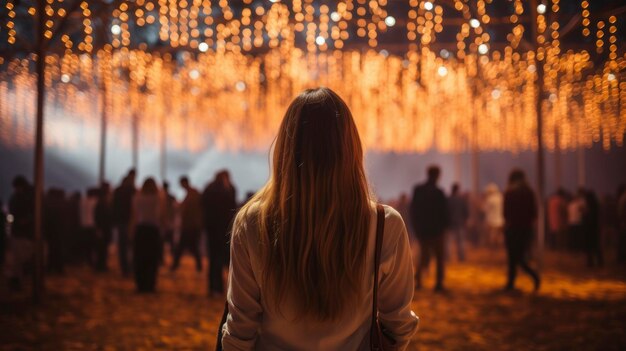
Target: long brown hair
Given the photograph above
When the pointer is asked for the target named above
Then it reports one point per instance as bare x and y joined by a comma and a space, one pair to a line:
314, 212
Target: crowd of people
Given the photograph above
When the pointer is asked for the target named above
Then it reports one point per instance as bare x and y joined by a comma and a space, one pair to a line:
148, 223
578, 224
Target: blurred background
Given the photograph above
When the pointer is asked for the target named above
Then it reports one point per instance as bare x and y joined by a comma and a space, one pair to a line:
97, 97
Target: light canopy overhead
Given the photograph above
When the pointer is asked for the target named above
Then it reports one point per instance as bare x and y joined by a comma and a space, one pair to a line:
452, 75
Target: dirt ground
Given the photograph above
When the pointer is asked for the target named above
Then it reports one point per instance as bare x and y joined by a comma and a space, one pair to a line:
577, 309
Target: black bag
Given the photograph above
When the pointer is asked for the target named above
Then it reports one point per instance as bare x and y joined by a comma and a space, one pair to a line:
220, 333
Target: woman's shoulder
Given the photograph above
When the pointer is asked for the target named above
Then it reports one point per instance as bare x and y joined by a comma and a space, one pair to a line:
391, 214
394, 223
246, 219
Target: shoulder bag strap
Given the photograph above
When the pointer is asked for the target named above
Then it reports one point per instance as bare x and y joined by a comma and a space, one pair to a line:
380, 231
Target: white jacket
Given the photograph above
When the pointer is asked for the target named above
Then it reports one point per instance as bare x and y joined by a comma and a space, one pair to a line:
251, 325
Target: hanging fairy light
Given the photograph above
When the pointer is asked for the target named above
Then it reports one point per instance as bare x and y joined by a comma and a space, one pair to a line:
612, 38
10, 24
585, 17
261, 53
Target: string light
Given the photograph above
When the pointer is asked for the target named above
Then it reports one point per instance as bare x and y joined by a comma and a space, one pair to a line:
585, 17
211, 66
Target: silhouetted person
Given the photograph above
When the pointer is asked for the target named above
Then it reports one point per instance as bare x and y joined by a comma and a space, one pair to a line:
609, 222
22, 208
191, 225
429, 215
122, 210
169, 219
104, 226
557, 219
458, 212
88, 226
520, 213
74, 230
591, 230
575, 212
3, 232
621, 215
146, 244
55, 228
219, 204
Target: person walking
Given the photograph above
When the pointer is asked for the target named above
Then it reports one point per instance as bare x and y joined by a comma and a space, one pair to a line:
55, 229
87, 241
146, 243
122, 206
72, 245
520, 214
191, 225
219, 204
169, 220
22, 208
104, 227
458, 210
302, 249
591, 230
575, 214
429, 215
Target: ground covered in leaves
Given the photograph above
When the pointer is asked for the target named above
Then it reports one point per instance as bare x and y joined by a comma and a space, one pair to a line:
577, 309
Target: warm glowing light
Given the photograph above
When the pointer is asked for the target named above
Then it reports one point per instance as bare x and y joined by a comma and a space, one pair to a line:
116, 29
390, 21
541, 9
483, 49
496, 93
552, 98
222, 72
442, 71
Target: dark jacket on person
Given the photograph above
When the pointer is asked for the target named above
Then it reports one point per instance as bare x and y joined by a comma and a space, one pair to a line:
429, 211
191, 212
103, 214
219, 206
123, 203
591, 217
22, 207
520, 207
55, 221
